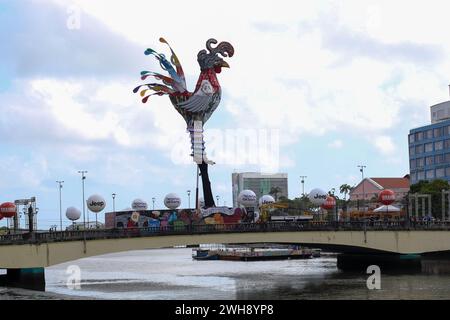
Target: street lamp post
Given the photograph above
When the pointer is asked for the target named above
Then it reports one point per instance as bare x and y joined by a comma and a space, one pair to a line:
83, 177
189, 198
303, 184
60, 203
153, 200
217, 197
114, 208
361, 168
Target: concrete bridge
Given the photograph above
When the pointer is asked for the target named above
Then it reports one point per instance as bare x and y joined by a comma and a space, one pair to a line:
26, 255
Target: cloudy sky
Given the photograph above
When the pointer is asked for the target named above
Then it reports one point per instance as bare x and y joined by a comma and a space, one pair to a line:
316, 87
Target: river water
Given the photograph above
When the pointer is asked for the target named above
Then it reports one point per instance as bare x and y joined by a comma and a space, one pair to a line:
172, 274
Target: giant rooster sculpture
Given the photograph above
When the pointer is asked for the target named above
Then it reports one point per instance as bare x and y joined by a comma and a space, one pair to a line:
195, 107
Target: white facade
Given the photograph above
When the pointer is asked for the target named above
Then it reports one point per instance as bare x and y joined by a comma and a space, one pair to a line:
440, 112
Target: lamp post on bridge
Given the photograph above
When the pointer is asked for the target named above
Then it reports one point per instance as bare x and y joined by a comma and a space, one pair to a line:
83, 177
60, 183
114, 208
361, 168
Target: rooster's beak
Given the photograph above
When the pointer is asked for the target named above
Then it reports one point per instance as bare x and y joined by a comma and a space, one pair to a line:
223, 64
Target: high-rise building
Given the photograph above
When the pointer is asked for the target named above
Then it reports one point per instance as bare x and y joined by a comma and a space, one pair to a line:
429, 146
260, 183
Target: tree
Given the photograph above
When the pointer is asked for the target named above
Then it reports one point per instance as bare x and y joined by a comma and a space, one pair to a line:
345, 189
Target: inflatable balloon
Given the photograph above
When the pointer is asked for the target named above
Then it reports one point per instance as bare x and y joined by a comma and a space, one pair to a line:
266, 199
317, 196
330, 203
96, 203
139, 205
386, 197
172, 201
73, 213
247, 198
8, 209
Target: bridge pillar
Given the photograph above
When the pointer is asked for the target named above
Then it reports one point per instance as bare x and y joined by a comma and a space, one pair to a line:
25, 278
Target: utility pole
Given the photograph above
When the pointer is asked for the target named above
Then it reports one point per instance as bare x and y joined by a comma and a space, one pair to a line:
83, 177
114, 208
189, 198
153, 200
303, 184
60, 203
361, 168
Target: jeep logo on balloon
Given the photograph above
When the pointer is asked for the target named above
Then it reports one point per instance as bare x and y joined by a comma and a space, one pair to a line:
317, 196
96, 203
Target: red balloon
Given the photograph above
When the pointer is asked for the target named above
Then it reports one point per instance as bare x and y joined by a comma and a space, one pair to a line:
8, 209
329, 203
386, 197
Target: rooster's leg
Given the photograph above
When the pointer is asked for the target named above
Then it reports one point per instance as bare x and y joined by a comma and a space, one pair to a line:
199, 155
207, 192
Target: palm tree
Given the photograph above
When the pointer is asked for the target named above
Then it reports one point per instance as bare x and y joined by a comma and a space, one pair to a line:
345, 188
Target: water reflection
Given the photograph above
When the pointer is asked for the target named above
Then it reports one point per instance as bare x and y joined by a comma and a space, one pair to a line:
172, 274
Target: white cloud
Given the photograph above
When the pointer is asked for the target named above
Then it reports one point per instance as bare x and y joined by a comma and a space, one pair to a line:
385, 145
336, 144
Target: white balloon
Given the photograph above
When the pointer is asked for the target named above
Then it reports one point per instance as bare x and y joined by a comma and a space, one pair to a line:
139, 205
96, 203
172, 201
266, 199
247, 198
317, 196
73, 213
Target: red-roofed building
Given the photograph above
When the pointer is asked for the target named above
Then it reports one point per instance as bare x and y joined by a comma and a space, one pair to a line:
371, 187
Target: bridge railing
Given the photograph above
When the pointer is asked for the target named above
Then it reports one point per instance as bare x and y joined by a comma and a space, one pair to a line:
92, 234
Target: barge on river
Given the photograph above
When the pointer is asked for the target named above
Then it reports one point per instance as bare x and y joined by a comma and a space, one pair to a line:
252, 254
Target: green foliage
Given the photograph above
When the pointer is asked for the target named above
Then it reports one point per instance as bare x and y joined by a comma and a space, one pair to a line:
274, 191
434, 188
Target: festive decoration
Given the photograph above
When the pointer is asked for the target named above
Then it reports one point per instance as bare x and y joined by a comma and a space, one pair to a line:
329, 203
139, 204
73, 213
266, 199
386, 197
8, 209
195, 107
247, 198
317, 196
96, 203
172, 201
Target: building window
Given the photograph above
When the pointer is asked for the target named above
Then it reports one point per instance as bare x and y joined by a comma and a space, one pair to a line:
440, 173
411, 138
419, 136
429, 147
412, 151
419, 149
447, 172
421, 175
447, 131
430, 174
419, 162
429, 161
438, 132
447, 144
439, 158
412, 163
438, 145
428, 134
413, 176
